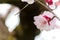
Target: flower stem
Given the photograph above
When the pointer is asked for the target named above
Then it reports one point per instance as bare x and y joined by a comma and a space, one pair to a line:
22, 8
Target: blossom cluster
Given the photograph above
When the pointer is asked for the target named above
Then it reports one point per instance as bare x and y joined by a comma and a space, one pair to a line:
49, 35
44, 21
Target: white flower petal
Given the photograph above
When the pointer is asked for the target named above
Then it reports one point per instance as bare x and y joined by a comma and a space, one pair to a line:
28, 1
55, 1
52, 6
12, 21
4, 9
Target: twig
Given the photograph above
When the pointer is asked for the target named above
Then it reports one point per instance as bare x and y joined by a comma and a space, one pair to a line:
43, 5
22, 8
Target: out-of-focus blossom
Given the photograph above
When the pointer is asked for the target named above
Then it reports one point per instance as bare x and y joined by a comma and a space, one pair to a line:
49, 35
28, 1
12, 20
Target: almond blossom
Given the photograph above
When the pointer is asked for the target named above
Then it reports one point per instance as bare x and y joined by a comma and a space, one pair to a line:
42, 21
28, 1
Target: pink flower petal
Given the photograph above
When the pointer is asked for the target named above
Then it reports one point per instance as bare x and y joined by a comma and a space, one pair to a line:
42, 21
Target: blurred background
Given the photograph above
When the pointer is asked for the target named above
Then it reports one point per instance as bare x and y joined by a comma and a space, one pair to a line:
26, 29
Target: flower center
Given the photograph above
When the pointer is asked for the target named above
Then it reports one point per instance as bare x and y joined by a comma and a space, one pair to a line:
47, 18
50, 2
